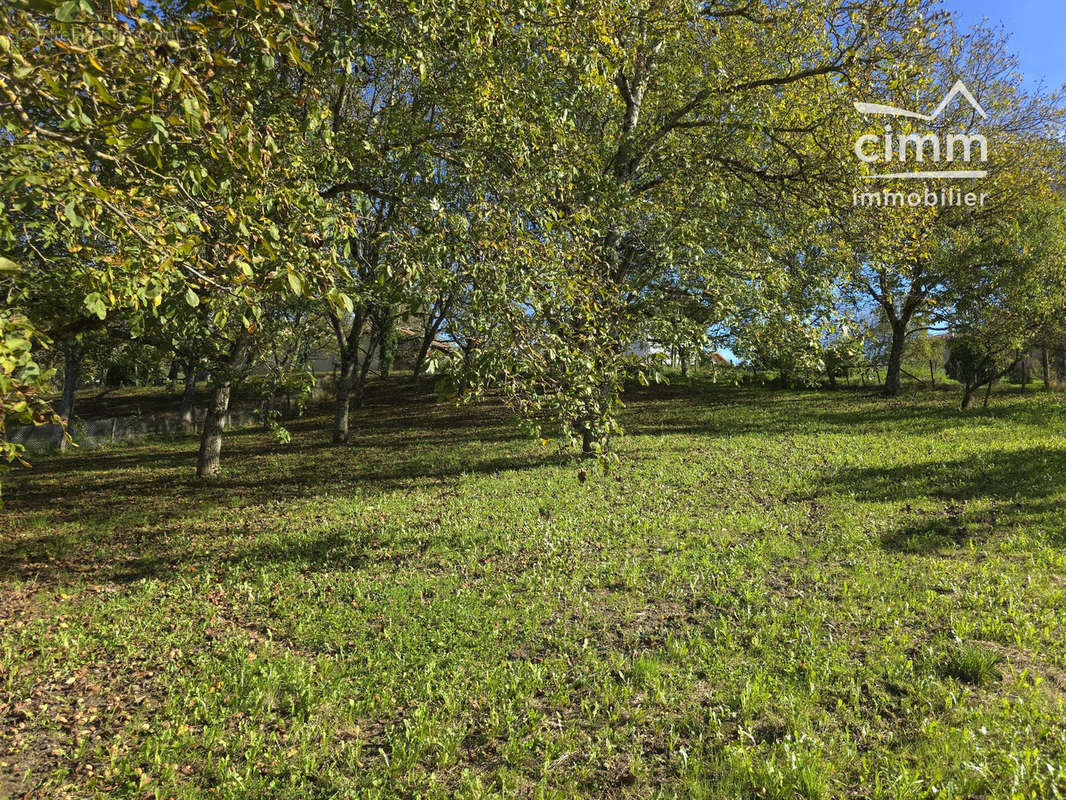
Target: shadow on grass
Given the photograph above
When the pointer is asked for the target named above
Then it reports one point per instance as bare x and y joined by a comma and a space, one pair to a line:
1013, 485
384, 453
136, 511
737, 411
126, 558
936, 531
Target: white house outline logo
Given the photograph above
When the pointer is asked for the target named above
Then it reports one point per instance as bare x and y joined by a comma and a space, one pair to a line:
920, 140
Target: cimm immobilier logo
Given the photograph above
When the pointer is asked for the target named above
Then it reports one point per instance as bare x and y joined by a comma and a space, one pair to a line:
920, 151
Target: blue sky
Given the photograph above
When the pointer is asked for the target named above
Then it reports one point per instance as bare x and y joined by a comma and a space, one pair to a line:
1036, 29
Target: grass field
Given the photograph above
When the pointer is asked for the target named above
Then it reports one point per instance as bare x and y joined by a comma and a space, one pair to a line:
779, 595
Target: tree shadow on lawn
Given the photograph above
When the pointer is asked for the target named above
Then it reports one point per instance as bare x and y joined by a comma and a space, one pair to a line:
381, 456
757, 413
49, 559
1018, 484
131, 513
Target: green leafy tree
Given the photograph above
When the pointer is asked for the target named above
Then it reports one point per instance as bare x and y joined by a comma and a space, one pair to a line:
23, 384
1016, 288
173, 154
645, 143
898, 250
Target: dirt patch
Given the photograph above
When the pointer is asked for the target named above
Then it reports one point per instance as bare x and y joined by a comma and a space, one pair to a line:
58, 723
1050, 679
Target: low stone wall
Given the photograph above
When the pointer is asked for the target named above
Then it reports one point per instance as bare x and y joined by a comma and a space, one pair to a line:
101, 432
104, 431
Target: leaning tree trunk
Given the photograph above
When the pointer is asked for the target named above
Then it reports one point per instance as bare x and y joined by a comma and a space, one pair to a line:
423, 353
429, 335
895, 359
364, 372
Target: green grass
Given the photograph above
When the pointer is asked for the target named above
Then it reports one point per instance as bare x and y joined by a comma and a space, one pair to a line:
971, 663
773, 595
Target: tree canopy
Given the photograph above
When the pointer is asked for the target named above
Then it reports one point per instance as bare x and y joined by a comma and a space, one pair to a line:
545, 186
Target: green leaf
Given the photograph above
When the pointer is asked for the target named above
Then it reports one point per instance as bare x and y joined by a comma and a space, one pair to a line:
297, 59
7, 265
192, 298
95, 305
67, 11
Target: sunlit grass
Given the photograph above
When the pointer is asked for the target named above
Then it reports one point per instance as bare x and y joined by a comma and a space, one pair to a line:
791, 594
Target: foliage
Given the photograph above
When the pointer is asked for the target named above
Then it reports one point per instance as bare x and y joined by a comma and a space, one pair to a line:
789, 346
157, 169
549, 186
644, 188
1016, 287
23, 384
160, 157
841, 354
970, 363
902, 261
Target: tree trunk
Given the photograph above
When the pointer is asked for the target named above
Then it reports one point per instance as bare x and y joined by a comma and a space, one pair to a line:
386, 343
348, 347
429, 335
188, 400
71, 376
364, 371
207, 465
988, 391
342, 404
1045, 364
895, 358
423, 352
172, 377
932, 374
967, 396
